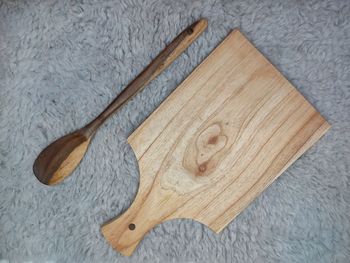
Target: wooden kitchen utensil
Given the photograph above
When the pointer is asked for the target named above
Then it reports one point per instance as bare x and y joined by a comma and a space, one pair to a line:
60, 158
224, 135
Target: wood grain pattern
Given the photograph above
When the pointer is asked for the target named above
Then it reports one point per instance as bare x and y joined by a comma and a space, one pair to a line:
225, 134
60, 158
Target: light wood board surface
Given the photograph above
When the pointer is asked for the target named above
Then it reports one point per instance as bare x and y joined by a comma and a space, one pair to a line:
224, 135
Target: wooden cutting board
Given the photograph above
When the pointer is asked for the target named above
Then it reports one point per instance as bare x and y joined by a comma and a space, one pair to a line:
224, 135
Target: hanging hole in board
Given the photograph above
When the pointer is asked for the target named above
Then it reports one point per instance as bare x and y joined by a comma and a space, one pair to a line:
132, 226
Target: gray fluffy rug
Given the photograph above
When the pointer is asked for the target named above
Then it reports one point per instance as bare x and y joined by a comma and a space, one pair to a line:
61, 62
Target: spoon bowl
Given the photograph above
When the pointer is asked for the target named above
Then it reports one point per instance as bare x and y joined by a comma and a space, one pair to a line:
61, 157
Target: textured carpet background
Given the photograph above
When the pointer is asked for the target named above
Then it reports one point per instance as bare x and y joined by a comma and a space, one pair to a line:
61, 62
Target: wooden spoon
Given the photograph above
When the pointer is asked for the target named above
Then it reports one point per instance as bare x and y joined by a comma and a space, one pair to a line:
60, 158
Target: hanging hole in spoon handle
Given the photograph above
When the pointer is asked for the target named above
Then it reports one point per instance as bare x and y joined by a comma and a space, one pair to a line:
190, 31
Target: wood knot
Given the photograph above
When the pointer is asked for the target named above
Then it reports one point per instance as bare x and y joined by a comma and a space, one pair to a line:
202, 156
213, 140
202, 167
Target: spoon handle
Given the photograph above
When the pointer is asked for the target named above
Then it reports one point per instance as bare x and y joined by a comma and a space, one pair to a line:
158, 65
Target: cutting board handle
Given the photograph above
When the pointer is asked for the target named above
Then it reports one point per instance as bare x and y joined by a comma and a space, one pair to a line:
125, 232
